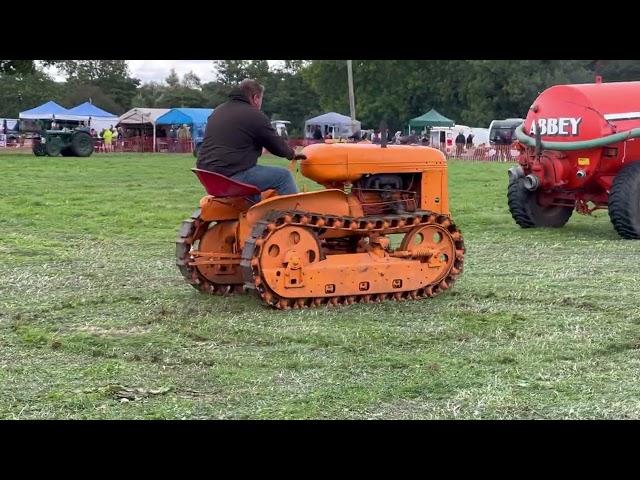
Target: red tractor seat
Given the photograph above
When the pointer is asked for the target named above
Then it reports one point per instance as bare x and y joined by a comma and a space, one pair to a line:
221, 186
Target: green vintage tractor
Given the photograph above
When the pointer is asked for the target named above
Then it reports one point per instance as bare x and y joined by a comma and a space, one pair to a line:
68, 141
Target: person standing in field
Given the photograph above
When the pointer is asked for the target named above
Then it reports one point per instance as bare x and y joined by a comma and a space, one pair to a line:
460, 142
107, 136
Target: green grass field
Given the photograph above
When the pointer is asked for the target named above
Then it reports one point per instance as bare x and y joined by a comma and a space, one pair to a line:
97, 322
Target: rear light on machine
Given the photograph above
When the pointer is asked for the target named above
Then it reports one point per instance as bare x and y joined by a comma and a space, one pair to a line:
610, 152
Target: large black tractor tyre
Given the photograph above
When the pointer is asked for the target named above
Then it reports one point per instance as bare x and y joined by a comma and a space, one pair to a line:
526, 211
53, 146
38, 149
624, 201
82, 144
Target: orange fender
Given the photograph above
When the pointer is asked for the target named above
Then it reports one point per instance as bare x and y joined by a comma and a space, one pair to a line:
330, 202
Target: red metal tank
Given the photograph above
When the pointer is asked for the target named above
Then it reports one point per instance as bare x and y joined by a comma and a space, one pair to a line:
600, 108
587, 135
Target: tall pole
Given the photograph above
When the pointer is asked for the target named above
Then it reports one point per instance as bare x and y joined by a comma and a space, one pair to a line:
352, 102
142, 133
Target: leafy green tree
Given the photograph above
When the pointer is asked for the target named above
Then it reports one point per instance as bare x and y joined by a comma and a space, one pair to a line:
112, 76
23, 92
617, 70
23, 67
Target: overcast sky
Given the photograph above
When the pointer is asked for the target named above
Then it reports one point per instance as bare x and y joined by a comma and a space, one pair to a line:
158, 70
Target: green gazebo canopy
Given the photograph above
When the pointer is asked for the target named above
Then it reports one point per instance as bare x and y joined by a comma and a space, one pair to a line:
431, 119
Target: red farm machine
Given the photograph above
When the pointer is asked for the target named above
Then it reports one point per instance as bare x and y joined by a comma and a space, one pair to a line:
579, 150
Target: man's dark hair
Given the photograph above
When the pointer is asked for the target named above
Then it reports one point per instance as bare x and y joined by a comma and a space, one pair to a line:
250, 88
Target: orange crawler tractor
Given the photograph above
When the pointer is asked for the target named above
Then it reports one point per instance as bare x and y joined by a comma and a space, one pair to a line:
334, 246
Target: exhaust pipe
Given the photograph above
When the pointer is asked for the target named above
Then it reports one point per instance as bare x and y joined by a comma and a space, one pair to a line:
531, 183
515, 173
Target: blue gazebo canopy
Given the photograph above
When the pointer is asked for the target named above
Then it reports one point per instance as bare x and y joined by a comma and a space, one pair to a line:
90, 110
46, 110
189, 116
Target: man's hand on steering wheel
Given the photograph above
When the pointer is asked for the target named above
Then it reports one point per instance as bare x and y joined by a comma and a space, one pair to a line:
299, 155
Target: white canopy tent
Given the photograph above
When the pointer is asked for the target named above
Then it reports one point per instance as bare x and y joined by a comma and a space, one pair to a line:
340, 125
143, 116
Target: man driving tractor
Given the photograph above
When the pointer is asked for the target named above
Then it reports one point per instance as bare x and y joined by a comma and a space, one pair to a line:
234, 138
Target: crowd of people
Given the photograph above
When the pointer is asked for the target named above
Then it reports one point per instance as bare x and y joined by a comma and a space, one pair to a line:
461, 141
114, 137
177, 137
180, 133
110, 137
463, 145
376, 136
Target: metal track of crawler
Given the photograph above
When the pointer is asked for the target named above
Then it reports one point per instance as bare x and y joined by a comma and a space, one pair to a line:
188, 234
364, 226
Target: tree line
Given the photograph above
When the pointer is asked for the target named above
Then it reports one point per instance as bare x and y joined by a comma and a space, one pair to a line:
471, 92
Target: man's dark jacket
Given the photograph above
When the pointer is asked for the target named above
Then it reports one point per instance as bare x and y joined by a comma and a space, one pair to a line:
235, 135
